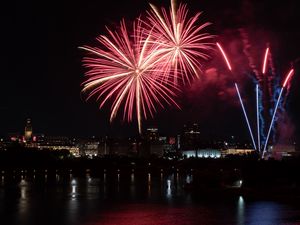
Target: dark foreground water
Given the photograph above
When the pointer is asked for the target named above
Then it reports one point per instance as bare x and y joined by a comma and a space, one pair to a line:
129, 199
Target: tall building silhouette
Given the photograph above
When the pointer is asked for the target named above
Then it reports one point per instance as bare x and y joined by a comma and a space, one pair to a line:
28, 130
190, 138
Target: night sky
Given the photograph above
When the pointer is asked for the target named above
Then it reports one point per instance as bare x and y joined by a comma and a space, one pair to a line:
42, 72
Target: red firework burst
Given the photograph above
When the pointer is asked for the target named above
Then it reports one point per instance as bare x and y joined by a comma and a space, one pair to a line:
127, 71
182, 40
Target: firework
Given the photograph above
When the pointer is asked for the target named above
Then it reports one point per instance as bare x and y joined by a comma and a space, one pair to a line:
288, 77
183, 43
224, 56
291, 72
257, 117
245, 114
265, 61
126, 71
260, 81
238, 93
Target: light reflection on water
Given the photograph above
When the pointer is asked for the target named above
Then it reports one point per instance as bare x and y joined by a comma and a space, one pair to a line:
23, 203
130, 199
74, 186
240, 211
149, 185
169, 192
266, 213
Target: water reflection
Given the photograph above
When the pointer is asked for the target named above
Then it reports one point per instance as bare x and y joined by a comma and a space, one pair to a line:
169, 191
104, 184
23, 205
188, 179
149, 184
74, 186
118, 186
57, 177
2, 176
132, 185
88, 175
240, 211
23, 188
118, 178
104, 177
130, 198
73, 204
89, 179
264, 213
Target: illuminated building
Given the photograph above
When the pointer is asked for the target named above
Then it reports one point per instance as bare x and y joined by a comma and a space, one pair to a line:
56, 143
170, 148
155, 145
38, 138
234, 147
159, 146
89, 148
152, 135
281, 151
203, 153
72, 149
15, 137
190, 138
28, 130
57, 140
2, 144
237, 151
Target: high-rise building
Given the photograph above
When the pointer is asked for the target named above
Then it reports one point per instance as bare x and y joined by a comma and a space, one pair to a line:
28, 130
190, 138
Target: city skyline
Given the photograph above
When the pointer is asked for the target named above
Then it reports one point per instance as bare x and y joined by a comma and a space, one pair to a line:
150, 112
45, 86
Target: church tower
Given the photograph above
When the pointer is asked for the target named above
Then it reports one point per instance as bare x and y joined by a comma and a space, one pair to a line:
28, 130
